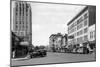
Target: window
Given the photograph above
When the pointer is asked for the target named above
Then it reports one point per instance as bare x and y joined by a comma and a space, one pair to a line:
85, 22
85, 15
80, 39
74, 40
72, 25
85, 30
16, 13
20, 10
79, 20
81, 32
77, 33
21, 33
16, 22
75, 29
23, 9
94, 34
68, 29
91, 34
85, 37
79, 26
75, 23
16, 27
22, 27
77, 39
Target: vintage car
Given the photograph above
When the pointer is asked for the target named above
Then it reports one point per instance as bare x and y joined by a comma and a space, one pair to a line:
82, 50
38, 53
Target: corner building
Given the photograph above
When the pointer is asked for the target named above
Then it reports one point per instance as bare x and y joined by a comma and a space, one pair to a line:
78, 27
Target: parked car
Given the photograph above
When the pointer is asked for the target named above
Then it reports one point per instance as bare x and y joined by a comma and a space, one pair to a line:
42, 52
74, 50
82, 50
38, 53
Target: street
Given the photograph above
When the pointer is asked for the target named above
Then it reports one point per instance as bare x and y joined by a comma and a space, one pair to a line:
55, 58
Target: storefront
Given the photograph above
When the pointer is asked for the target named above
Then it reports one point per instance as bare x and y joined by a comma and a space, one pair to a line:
21, 51
92, 44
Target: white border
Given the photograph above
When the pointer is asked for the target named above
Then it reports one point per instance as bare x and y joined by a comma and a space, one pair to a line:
5, 32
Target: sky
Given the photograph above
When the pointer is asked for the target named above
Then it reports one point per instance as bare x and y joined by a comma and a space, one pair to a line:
50, 19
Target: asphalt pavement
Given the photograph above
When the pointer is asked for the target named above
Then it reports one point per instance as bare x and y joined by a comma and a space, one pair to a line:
55, 58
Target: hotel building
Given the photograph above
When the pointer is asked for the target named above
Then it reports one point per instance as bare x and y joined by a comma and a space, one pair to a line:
22, 22
78, 27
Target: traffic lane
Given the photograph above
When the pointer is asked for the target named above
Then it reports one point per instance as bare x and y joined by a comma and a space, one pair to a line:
56, 58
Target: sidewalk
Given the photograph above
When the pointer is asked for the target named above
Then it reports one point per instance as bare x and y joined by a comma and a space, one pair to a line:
18, 59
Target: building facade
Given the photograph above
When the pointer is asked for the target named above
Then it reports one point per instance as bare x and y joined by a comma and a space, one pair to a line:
22, 22
57, 42
78, 27
92, 33
92, 36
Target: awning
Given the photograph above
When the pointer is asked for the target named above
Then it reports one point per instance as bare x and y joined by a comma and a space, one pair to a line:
24, 43
92, 42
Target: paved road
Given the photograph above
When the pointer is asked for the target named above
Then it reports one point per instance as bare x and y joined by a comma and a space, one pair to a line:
55, 58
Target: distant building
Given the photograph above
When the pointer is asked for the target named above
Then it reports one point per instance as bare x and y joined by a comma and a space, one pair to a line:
64, 41
57, 41
22, 22
78, 27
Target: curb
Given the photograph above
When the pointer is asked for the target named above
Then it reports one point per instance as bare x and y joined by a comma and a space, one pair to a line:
18, 59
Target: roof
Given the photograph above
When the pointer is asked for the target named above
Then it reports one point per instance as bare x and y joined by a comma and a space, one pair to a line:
77, 15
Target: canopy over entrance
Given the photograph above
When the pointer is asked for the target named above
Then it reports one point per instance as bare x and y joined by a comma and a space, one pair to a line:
24, 43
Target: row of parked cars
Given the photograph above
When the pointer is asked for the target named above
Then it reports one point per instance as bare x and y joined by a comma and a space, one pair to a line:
77, 49
81, 50
37, 53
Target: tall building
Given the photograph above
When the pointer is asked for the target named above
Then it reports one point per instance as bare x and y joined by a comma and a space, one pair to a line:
78, 27
22, 22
